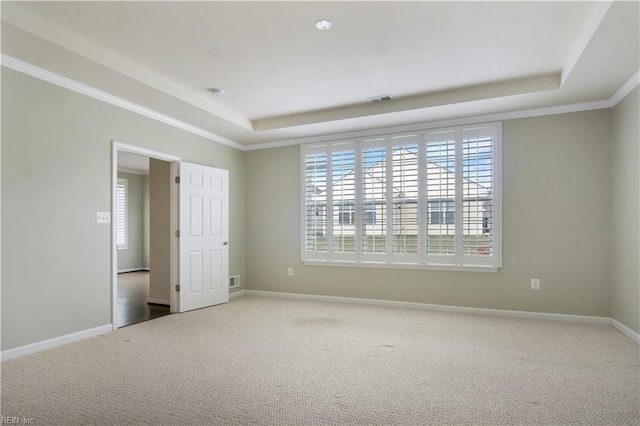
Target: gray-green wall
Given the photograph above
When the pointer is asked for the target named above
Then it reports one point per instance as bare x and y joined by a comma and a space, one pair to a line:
625, 285
56, 174
559, 173
556, 227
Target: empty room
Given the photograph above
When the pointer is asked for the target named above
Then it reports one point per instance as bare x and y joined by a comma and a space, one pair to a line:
356, 212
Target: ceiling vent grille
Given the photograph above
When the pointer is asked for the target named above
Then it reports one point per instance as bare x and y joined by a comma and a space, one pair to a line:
379, 99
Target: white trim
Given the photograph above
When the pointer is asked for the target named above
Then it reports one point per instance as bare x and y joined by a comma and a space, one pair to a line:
431, 307
140, 269
92, 51
50, 77
132, 172
234, 294
159, 301
173, 160
56, 341
625, 330
174, 248
67, 83
389, 265
625, 89
382, 131
144, 152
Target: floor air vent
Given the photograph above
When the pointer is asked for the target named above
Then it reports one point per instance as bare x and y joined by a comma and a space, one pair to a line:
234, 281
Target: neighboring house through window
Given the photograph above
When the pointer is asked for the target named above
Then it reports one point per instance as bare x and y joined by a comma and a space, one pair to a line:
441, 213
348, 214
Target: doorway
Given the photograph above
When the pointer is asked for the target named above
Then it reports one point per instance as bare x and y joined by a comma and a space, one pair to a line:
144, 217
134, 304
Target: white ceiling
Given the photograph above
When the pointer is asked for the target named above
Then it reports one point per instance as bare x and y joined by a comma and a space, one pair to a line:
284, 79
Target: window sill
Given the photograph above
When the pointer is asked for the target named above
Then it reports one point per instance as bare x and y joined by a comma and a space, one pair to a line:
387, 265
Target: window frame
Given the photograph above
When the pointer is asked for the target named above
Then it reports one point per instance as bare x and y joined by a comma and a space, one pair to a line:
458, 262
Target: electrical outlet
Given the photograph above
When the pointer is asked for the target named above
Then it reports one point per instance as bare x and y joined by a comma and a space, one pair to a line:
535, 283
290, 271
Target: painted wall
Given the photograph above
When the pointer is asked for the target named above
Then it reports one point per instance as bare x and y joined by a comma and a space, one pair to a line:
625, 287
131, 257
556, 225
56, 174
160, 231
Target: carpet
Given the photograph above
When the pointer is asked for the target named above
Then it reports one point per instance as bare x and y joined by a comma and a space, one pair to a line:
264, 360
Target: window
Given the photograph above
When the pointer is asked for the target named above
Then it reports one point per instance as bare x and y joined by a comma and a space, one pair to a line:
121, 214
441, 212
348, 215
429, 199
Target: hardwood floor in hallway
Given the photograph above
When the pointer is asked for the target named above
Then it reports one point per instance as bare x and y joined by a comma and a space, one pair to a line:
133, 293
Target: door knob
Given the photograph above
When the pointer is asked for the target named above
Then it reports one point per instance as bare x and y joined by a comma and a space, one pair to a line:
225, 243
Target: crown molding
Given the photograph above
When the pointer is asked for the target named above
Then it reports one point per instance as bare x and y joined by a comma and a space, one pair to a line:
39, 26
511, 115
620, 94
625, 89
53, 78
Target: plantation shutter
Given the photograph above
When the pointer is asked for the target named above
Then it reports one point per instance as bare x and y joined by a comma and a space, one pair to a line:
315, 195
478, 196
343, 201
374, 199
121, 214
404, 197
440, 182
428, 199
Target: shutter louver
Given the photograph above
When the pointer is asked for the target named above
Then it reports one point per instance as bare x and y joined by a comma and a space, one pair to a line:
477, 171
405, 198
316, 203
343, 195
374, 200
441, 191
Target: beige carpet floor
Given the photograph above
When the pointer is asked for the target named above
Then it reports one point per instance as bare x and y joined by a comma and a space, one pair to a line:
262, 360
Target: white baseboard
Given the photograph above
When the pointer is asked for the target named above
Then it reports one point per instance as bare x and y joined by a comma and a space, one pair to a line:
626, 331
444, 308
56, 341
234, 294
122, 271
159, 302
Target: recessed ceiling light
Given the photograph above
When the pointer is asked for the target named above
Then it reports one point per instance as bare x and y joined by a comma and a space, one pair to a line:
323, 24
215, 92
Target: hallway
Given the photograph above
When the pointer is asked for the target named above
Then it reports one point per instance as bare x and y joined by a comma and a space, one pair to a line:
133, 293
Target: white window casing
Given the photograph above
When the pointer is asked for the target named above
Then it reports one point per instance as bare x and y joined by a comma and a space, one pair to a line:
425, 200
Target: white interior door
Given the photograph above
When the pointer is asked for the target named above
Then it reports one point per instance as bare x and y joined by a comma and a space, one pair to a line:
204, 236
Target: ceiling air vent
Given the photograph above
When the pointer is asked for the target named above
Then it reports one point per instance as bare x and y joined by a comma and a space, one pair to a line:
379, 99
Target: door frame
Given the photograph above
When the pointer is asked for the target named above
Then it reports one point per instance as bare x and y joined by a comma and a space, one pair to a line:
174, 206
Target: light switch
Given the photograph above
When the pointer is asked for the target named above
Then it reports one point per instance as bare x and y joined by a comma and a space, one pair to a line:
103, 217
